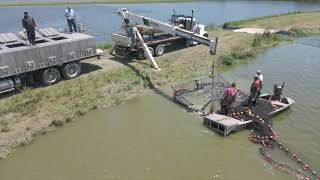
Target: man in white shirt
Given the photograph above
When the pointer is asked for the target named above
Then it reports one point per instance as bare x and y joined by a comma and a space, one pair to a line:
260, 76
70, 14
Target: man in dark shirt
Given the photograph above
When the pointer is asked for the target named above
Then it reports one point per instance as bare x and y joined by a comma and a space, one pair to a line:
30, 26
254, 91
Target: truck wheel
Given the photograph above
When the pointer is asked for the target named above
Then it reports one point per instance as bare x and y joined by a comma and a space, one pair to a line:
71, 70
160, 50
151, 51
205, 35
50, 76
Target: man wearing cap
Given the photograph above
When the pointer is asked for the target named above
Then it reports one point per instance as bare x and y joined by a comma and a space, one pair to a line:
228, 99
260, 77
70, 14
30, 26
254, 91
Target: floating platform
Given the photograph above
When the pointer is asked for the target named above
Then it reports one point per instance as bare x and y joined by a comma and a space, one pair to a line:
223, 124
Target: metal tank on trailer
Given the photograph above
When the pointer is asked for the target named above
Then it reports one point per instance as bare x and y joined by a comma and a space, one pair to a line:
55, 54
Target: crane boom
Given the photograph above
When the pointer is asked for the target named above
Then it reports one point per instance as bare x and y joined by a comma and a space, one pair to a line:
136, 19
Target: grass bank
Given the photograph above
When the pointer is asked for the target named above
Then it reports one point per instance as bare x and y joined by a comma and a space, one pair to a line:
104, 46
88, 2
36, 111
258, 44
296, 23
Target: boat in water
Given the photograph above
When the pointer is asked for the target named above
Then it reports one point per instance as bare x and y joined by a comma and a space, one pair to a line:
267, 106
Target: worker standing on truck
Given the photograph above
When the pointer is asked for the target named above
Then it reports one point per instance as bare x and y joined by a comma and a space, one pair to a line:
70, 14
133, 36
228, 99
30, 26
254, 91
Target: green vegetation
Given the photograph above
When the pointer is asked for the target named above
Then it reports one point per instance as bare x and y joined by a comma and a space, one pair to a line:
59, 2
70, 98
4, 126
302, 32
254, 19
295, 23
267, 39
259, 43
210, 27
104, 46
230, 58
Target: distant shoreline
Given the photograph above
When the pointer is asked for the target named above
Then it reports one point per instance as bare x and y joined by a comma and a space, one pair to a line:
55, 3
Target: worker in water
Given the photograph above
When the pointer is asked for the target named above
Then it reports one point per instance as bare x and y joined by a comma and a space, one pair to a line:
228, 99
254, 91
30, 27
260, 77
70, 14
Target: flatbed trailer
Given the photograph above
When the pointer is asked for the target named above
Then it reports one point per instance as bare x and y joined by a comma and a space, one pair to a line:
157, 45
55, 54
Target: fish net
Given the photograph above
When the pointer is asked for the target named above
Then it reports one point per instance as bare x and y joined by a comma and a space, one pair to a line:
200, 94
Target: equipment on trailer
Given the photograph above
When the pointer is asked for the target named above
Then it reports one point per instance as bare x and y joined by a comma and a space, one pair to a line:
55, 54
130, 40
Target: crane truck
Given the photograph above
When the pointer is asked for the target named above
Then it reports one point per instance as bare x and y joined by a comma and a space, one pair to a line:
129, 38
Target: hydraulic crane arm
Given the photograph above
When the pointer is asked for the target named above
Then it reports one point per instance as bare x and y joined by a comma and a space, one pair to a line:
136, 19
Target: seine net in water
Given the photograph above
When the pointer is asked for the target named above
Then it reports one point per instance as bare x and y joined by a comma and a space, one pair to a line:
199, 94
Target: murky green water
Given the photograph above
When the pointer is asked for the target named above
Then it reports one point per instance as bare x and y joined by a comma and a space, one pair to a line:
153, 138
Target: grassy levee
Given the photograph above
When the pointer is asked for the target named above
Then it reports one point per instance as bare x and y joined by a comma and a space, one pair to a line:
36, 111
296, 23
59, 2
104, 46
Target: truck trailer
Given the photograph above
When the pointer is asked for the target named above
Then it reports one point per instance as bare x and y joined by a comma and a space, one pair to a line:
55, 55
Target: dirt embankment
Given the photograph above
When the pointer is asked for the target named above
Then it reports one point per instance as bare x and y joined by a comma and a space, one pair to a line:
112, 81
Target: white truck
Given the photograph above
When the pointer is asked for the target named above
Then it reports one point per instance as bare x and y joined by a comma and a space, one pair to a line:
130, 38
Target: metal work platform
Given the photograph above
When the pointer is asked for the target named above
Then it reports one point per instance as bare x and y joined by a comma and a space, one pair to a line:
224, 124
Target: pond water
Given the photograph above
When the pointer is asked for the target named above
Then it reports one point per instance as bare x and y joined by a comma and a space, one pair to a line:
150, 137
102, 20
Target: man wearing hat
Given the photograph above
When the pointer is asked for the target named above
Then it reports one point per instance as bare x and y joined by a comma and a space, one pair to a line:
70, 14
228, 99
30, 26
254, 91
260, 77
